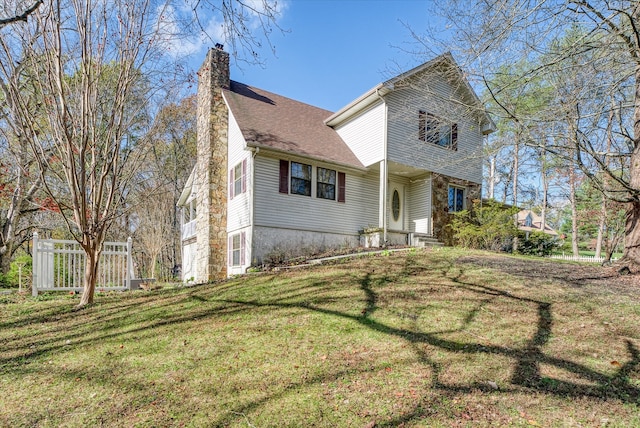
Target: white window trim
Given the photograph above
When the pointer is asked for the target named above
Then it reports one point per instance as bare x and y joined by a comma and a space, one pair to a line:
464, 197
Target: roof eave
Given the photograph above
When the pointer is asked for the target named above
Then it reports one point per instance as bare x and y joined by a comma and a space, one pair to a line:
359, 104
288, 153
186, 190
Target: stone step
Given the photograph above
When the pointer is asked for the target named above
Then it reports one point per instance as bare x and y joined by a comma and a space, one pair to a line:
426, 241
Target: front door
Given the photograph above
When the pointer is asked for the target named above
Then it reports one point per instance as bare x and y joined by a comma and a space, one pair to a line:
396, 206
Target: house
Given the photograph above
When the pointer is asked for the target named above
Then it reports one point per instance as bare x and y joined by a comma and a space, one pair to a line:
528, 222
275, 177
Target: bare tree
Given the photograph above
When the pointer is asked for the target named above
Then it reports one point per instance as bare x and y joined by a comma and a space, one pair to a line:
98, 66
15, 11
20, 182
168, 164
155, 229
606, 43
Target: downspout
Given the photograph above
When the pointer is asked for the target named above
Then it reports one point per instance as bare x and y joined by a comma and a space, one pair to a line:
254, 153
384, 173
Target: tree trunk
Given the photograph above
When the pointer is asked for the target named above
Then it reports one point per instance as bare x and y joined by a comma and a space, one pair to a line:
601, 226
90, 276
632, 227
545, 193
516, 166
574, 213
492, 176
152, 268
5, 261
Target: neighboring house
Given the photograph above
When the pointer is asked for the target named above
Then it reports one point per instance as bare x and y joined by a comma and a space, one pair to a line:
528, 222
276, 177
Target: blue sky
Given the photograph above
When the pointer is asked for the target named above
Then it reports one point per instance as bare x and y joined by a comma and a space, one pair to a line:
335, 50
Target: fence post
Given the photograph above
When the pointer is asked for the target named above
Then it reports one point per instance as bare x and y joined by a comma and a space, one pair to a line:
34, 266
129, 262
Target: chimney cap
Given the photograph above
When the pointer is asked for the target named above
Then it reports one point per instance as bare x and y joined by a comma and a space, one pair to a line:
220, 46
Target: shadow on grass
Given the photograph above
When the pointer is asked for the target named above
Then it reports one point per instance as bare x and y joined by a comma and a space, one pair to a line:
205, 303
527, 359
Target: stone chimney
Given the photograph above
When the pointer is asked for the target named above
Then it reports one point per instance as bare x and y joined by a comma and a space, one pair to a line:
211, 167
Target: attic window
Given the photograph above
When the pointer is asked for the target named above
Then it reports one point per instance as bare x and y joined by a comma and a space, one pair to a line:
434, 130
528, 222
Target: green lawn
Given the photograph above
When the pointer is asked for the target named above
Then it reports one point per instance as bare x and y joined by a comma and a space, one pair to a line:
422, 338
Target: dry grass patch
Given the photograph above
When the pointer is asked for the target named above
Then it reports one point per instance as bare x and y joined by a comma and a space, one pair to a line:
424, 338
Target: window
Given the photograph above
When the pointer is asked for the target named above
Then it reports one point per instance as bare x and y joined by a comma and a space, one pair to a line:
296, 178
437, 131
326, 181
189, 210
238, 179
456, 199
300, 179
236, 249
237, 184
395, 205
528, 221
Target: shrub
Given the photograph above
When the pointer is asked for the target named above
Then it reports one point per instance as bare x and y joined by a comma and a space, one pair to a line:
12, 278
537, 244
487, 226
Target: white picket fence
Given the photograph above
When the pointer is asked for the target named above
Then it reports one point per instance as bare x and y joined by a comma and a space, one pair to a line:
59, 265
587, 259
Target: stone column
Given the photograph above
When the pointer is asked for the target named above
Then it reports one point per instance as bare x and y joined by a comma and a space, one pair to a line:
440, 204
211, 167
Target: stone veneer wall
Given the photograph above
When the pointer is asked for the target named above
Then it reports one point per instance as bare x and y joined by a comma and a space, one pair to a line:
211, 168
440, 197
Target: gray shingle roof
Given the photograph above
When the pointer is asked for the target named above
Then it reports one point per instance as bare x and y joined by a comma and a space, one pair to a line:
272, 121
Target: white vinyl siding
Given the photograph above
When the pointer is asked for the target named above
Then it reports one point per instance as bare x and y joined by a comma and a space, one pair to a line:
275, 209
420, 205
364, 135
434, 95
239, 208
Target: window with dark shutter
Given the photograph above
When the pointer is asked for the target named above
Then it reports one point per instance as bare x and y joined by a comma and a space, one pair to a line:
235, 254
284, 176
326, 184
435, 130
238, 179
300, 179
432, 129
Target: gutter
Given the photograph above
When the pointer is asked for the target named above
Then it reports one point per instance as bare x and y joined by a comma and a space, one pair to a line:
251, 145
254, 153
